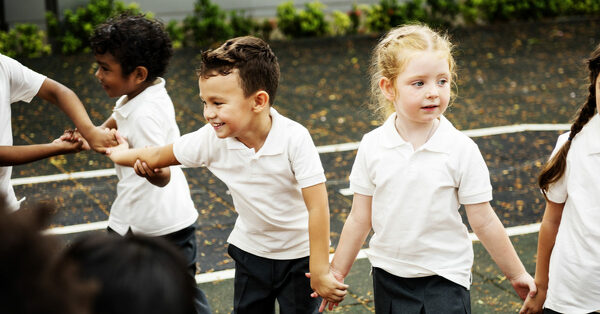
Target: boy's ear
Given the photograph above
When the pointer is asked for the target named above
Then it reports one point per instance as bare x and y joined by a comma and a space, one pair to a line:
387, 88
140, 74
261, 101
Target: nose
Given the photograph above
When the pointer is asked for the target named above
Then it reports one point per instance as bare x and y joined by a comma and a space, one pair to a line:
432, 92
209, 113
97, 73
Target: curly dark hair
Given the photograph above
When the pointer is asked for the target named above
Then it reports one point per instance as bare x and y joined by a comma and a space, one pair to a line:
134, 40
257, 64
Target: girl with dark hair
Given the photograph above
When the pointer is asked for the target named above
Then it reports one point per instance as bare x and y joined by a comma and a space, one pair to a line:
567, 273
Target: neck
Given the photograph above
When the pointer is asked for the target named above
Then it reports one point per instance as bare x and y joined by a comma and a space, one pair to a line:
256, 137
416, 133
140, 88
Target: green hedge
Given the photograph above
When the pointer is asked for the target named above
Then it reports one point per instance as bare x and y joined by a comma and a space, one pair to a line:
209, 24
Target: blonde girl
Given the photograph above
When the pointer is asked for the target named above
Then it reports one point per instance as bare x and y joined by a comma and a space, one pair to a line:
409, 179
567, 272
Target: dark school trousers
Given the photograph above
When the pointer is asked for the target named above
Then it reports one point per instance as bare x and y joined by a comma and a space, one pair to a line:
185, 241
431, 294
260, 281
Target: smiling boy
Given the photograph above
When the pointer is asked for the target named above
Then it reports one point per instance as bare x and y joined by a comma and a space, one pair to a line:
132, 53
272, 168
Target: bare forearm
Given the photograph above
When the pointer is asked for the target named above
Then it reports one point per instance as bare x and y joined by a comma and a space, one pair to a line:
496, 242
69, 103
352, 238
546, 240
153, 156
318, 232
17, 155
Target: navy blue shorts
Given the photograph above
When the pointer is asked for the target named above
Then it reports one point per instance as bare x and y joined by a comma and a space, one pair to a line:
432, 294
260, 281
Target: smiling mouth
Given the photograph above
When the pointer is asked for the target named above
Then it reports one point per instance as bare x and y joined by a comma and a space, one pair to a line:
217, 125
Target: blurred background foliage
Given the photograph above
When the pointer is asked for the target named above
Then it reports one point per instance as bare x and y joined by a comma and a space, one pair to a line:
209, 25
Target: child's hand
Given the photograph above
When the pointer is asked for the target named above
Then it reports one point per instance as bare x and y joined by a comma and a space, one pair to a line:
67, 143
534, 304
101, 139
122, 145
330, 287
142, 170
524, 285
75, 136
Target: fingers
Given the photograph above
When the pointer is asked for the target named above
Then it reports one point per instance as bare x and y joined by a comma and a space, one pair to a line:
322, 306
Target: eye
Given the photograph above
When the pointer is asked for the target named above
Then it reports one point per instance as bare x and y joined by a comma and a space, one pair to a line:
443, 82
218, 103
418, 83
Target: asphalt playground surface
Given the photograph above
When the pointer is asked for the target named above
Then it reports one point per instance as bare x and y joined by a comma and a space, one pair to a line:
518, 87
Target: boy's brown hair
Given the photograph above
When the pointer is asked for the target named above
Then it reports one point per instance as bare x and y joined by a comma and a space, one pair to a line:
252, 57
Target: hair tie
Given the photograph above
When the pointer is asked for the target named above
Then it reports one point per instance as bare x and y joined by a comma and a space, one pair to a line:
571, 135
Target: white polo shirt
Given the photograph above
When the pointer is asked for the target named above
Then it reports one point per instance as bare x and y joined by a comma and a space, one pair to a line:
418, 230
17, 83
265, 185
149, 120
574, 274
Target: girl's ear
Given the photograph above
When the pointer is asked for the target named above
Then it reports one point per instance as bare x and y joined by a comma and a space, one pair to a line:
387, 88
140, 74
261, 101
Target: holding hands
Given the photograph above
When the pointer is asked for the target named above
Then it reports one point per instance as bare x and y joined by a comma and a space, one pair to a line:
330, 287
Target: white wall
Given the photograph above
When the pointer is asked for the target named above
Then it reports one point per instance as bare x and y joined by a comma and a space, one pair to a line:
32, 11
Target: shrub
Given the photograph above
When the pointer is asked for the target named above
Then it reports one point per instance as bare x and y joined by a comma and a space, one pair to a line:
303, 23
342, 24
175, 31
208, 25
242, 24
73, 32
24, 40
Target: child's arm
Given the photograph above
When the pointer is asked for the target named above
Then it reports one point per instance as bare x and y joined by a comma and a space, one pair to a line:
158, 176
546, 238
69, 103
355, 231
491, 233
17, 155
321, 280
154, 157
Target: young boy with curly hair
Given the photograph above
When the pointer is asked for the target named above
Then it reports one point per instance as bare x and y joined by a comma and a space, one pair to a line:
273, 170
132, 53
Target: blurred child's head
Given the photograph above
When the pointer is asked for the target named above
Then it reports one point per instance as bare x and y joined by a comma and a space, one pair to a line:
134, 274
255, 62
33, 279
393, 54
130, 50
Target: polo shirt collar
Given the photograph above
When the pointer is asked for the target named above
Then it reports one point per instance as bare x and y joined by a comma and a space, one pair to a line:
439, 141
125, 106
593, 130
273, 144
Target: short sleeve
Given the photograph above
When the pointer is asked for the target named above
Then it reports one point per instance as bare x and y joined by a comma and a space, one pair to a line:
474, 177
24, 83
193, 149
557, 191
360, 180
305, 160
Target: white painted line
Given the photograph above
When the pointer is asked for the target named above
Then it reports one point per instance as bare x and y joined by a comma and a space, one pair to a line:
516, 128
99, 225
346, 192
321, 149
230, 273
215, 276
65, 176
